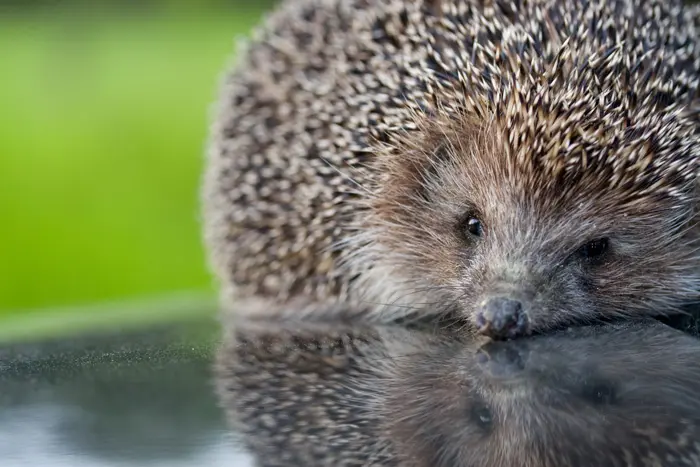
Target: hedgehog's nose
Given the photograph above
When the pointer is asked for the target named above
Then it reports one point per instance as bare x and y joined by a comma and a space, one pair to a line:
501, 318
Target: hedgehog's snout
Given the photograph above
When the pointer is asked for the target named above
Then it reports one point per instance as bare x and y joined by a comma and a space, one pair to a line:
502, 317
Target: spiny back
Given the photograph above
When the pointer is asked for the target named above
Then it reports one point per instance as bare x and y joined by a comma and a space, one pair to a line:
585, 93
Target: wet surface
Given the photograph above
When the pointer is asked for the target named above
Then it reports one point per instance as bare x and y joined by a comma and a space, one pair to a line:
142, 398
319, 395
625, 394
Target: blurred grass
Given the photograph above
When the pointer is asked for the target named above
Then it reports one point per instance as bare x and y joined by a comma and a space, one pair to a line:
102, 127
122, 315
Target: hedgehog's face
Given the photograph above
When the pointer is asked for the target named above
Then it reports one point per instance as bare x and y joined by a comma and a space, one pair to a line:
540, 272
517, 252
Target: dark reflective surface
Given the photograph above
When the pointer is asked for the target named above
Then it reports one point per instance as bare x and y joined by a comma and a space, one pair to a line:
609, 395
341, 393
126, 399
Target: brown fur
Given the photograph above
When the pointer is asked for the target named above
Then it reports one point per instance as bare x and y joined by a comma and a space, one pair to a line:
535, 220
353, 136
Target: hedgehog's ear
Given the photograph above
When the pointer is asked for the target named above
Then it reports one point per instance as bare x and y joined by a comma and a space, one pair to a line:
406, 163
410, 159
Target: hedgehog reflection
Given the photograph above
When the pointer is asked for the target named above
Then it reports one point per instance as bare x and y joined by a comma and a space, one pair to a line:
615, 395
608, 395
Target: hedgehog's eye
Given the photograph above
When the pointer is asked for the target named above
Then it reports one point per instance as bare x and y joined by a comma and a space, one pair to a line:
472, 227
595, 250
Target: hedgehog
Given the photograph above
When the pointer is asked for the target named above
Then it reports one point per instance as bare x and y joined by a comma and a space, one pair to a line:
318, 393
531, 164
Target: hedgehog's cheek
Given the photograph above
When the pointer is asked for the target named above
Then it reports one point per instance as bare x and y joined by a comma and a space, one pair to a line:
503, 311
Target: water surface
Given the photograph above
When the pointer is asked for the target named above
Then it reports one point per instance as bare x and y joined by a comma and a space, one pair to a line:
126, 398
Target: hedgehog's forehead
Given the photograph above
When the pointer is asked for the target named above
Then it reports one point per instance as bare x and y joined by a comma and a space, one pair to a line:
560, 139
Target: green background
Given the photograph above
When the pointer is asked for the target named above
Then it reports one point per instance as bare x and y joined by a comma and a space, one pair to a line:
104, 111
